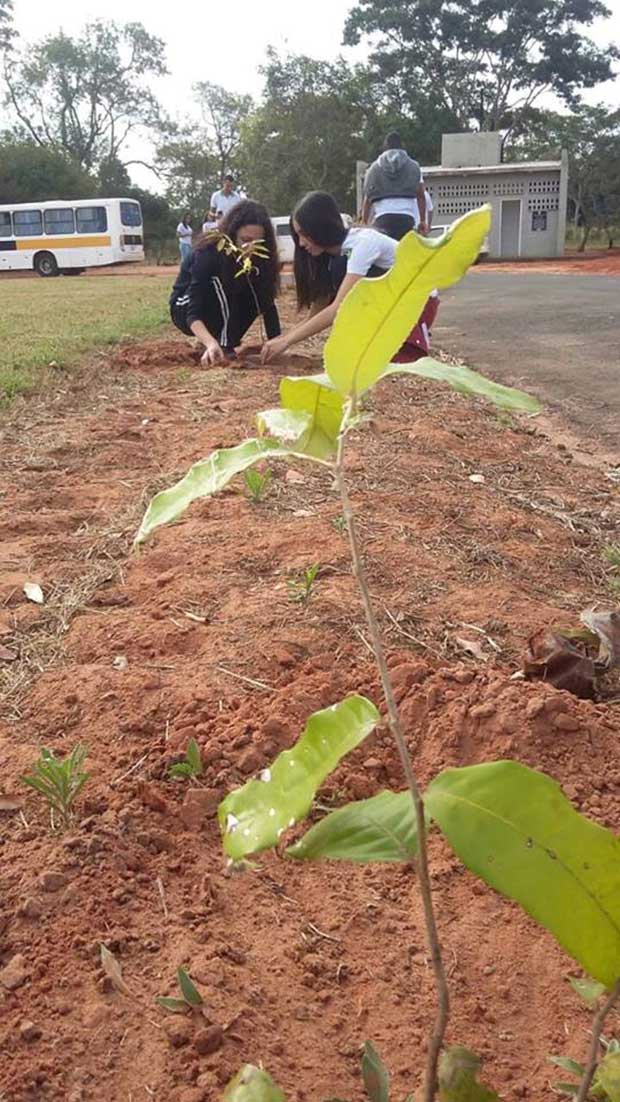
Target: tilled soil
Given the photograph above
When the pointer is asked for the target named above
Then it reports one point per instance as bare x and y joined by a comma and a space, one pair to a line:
197, 637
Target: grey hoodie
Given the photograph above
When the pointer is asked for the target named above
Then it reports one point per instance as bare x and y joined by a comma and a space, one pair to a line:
393, 175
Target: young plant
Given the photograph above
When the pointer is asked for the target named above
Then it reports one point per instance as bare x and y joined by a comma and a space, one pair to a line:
300, 589
59, 781
257, 484
509, 824
191, 1000
191, 766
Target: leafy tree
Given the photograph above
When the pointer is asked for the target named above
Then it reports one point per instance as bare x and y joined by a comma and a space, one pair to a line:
6, 24
85, 95
190, 168
483, 58
592, 137
29, 172
223, 114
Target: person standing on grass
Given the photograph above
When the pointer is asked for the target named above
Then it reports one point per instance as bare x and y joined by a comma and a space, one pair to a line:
184, 234
329, 260
211, 301
224, 200
394, 195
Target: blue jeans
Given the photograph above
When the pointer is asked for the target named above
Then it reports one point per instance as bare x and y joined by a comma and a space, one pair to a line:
185, 248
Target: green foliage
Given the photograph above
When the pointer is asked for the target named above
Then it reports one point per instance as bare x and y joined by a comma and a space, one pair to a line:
458, 1077
223, 114
315, 395
481, 58
466, 381
189, 167
605, 1085
375, 1075
31, 173
191, 766
255, 816
300, 589
191, 999
59, 782
382, 828
257, 485
375, 317
589, 990
612, 554
83, 96
514, 827
252, 1084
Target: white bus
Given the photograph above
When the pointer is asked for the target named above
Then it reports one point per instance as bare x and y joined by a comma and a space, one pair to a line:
69, 235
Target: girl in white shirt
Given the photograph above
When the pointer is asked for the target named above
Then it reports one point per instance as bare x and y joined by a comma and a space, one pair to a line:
329, 261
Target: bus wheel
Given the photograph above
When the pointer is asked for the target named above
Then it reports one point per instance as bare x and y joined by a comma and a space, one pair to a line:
45, 264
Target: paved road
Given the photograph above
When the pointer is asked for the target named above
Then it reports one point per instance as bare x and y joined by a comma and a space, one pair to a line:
555, 335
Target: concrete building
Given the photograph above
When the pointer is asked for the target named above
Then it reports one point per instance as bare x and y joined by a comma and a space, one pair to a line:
528, 198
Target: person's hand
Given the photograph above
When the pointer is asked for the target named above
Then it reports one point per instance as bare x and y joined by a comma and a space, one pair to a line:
272, 349
422, 229
213, 354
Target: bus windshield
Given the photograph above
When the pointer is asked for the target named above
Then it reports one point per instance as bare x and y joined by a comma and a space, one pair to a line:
130, 214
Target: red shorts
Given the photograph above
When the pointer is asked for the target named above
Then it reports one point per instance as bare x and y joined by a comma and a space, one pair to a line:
418, 343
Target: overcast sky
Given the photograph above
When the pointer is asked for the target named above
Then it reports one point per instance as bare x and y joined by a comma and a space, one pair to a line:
201, 46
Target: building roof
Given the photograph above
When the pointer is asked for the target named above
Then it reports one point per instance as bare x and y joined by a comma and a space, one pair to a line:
485, 170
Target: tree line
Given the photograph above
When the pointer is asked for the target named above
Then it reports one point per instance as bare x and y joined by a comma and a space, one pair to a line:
73, 105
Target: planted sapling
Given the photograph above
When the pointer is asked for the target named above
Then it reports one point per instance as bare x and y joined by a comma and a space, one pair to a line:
191, 766
257, 484
59, 782
191, 999
300, 589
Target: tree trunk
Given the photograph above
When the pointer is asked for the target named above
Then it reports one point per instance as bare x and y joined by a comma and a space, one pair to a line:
584, 239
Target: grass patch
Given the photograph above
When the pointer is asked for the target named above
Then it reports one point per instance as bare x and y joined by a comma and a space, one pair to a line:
45, 321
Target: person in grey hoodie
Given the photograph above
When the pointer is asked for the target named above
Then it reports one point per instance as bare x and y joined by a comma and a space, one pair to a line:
394, 191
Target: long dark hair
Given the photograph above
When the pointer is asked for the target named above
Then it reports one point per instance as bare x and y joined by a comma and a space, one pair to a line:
247, 213
318, 217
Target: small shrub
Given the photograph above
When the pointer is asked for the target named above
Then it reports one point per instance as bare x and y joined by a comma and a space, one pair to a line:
59, 782
191, 766
300, 589
257, 484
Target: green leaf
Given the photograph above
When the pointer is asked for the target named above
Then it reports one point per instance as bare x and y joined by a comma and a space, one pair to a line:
378, 314
253, 817
375, 1075
566, 1088
173, 1006
458, 1068
289, 427
193, 757
181, 769
514, 827
589, 990
469, 382
316, 396
607, 1076
252, 1084
189, 992
567, 1064
204, 479
382, 828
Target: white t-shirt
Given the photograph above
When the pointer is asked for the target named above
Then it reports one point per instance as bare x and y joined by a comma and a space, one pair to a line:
222, 203
364, 247
184, 232
429, 206
401, 206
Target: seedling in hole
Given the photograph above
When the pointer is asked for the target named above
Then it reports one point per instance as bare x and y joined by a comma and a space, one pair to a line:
257, 484
300, 589
191, 999
192, 765
59, 782
340, 524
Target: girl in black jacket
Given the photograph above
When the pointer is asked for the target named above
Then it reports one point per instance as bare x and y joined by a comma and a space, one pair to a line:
212, 301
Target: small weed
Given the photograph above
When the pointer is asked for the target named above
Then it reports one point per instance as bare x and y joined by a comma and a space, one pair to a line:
339, 524
191, 766
257, 484
184, 375
612, 554
300, 589
59, 782
191, 999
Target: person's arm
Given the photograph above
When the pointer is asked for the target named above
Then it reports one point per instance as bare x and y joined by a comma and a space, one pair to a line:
204, 265
366, 210
314, 324
422, 226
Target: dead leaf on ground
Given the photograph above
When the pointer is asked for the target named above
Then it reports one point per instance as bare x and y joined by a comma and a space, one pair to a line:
471, 646
606, 626
6, 654
555, 658
112, 969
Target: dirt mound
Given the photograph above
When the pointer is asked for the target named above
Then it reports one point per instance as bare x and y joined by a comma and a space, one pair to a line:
197, 637
164, 353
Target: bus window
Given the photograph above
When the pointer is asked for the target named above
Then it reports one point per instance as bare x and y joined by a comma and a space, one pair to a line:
91, 219
27, 223
59, 221
6, 230
130, 214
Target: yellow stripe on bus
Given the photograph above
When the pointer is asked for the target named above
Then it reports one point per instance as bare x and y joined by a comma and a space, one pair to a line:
96, 242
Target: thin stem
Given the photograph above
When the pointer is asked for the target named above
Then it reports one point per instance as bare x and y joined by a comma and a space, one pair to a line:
443, 1010
597, 1029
